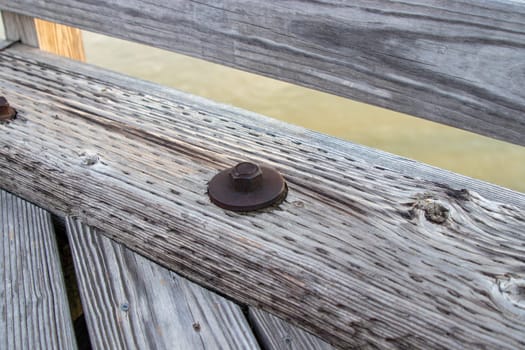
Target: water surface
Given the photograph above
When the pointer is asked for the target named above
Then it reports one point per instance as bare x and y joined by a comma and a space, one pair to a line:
445, 147
460, 151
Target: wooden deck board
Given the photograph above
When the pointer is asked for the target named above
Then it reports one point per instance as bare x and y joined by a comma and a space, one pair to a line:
34, 311
359, 254
277, 334
133, 303
457, 62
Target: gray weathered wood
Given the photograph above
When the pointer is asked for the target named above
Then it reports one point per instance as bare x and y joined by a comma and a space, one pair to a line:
359, 255
4, 44
20, 28
317, 140
277, 334
132, 303
451, 61
34, 311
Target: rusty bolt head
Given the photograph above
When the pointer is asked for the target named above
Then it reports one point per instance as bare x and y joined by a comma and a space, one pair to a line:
6, 112
246, 187
246, 177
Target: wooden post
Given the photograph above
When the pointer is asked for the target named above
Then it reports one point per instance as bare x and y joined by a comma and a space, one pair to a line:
20, 28
59, 39
48, 36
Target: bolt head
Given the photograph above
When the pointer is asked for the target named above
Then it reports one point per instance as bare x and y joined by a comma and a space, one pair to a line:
124, 307
6, 113
247, 187
246, 177
4, 106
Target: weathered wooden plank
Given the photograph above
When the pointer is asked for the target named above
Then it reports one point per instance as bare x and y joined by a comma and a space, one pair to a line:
277, 334
5, 44
452, 61
132, 303
34, 312
358, 254
51, 37
317, 140
61, 40
20, 28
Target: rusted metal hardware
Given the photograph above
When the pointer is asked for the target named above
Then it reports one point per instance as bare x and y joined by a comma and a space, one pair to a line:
6, 111
247, 187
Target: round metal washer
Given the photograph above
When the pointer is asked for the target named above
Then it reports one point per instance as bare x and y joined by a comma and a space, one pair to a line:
7, 114
272, 190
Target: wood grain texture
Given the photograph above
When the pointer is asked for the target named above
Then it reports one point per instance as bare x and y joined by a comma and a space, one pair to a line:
451, 61
358, 254
34, 312
277, 334
60, 39
4, 44
132, 303
20, 28
317, 140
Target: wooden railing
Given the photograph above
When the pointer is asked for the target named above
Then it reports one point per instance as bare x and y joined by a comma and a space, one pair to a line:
48, 36
369, 249
455, 62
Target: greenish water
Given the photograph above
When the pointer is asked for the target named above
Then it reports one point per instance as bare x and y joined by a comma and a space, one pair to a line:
463, 152
445, 147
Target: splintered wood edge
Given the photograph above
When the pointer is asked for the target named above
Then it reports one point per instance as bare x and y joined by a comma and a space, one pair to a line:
358, 254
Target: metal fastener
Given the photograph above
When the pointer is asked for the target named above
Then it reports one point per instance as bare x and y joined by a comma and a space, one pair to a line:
247, 187
124, 307
6, 111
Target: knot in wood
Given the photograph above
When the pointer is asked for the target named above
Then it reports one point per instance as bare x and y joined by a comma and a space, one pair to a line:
513, 291
89, 158
435, 210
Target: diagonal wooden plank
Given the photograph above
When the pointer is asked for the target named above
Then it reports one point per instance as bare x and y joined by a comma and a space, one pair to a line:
277, 334
378, 158
132, 303
359, 254
34, 311
457, 62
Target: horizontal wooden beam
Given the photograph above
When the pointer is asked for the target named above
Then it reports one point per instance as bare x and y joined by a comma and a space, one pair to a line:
452, 61
358, 254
